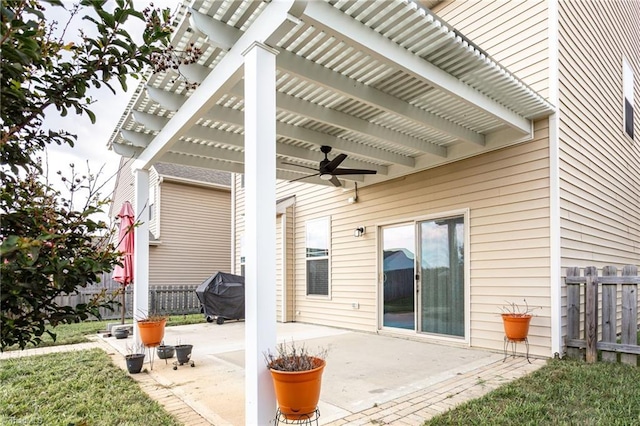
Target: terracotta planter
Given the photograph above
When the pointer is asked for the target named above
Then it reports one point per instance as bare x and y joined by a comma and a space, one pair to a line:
151, 332
298, 392
516, 327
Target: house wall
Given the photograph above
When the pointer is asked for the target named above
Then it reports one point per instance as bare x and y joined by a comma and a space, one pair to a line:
507, 194
599, 163
195, 238
123, 188
514, 33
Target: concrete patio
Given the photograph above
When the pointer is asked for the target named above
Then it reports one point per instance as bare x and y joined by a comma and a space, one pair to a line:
368, 378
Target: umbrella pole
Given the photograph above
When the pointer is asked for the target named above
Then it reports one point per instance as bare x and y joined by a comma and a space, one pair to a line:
124, 306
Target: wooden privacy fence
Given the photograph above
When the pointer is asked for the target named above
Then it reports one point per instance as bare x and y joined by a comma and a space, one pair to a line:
609, 283
163, 299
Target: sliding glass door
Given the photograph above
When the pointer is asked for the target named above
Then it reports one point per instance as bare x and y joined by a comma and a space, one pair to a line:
398, 276
436, 291
441, 246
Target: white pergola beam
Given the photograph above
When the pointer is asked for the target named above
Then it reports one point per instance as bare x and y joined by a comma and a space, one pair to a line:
167, 100
137, 139
324, 77
218, 33
150, 121
350, 123
127, 151
275, 19
324, 16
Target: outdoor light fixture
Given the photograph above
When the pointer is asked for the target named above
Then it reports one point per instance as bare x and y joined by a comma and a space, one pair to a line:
359, 231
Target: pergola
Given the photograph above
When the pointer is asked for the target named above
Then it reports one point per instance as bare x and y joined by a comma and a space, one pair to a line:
386, 82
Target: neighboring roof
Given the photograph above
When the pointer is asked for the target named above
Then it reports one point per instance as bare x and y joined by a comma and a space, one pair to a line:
194, 173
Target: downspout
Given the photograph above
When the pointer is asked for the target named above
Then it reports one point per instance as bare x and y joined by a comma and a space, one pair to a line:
557, 346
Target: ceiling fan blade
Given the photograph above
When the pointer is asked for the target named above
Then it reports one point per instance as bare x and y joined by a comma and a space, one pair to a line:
334, 180
335, 162
353, 172
300, 165
304, 177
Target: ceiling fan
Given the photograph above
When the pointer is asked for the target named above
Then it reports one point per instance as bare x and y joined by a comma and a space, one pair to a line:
328, 169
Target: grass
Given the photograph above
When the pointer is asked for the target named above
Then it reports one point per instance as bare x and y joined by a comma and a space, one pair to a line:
563, 392
74, 388
68, 334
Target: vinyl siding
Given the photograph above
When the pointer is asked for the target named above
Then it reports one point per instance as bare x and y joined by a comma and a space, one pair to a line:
514, 33
196, 235
599, 173
507, 194
123, 189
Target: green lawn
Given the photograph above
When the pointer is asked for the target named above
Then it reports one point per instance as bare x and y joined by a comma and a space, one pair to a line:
566, 392
74, 388
67, 334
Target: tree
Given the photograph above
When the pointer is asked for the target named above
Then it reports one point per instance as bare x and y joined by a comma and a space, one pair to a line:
49, 247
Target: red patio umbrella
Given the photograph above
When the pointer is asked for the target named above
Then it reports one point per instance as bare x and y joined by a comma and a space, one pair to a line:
124, 274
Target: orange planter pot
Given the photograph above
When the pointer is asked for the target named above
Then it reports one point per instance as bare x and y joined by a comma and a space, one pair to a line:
516, 327
151, 332
298, 392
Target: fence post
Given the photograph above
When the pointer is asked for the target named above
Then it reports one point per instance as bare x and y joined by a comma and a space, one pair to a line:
629, 313
591, 311
573, 311
609, 312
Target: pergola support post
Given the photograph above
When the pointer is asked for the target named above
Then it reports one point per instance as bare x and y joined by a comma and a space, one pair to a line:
141, 249
260, 229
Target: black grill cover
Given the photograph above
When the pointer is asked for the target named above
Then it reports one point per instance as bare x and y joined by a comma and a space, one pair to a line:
222, 295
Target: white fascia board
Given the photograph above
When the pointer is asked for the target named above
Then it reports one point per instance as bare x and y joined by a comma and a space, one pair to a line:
324, 16
274, 19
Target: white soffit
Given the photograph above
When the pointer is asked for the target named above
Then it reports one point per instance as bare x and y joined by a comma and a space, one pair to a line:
387, 83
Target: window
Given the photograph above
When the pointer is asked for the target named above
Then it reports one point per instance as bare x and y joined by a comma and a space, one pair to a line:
627, 88
317, 244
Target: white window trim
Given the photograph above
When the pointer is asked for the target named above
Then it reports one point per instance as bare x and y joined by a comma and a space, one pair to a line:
328, 257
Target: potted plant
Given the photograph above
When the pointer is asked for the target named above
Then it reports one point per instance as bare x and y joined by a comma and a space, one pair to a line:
516, 319
135, 358
297, 379
151, 329
165, 351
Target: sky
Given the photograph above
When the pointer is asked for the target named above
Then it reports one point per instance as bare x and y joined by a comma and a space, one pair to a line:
90, 150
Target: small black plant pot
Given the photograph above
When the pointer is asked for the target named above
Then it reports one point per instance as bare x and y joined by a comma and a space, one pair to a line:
165, 351
121, 333
134, 362
183, 352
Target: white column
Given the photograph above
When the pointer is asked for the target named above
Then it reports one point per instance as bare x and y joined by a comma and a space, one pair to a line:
260, 229
141, 248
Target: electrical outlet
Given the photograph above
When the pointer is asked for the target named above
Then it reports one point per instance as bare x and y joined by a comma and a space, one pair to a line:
355, 305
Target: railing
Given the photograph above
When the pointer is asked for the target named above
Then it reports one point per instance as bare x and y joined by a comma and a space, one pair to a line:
616, 292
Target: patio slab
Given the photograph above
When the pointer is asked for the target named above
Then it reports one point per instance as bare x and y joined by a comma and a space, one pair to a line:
365, 372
